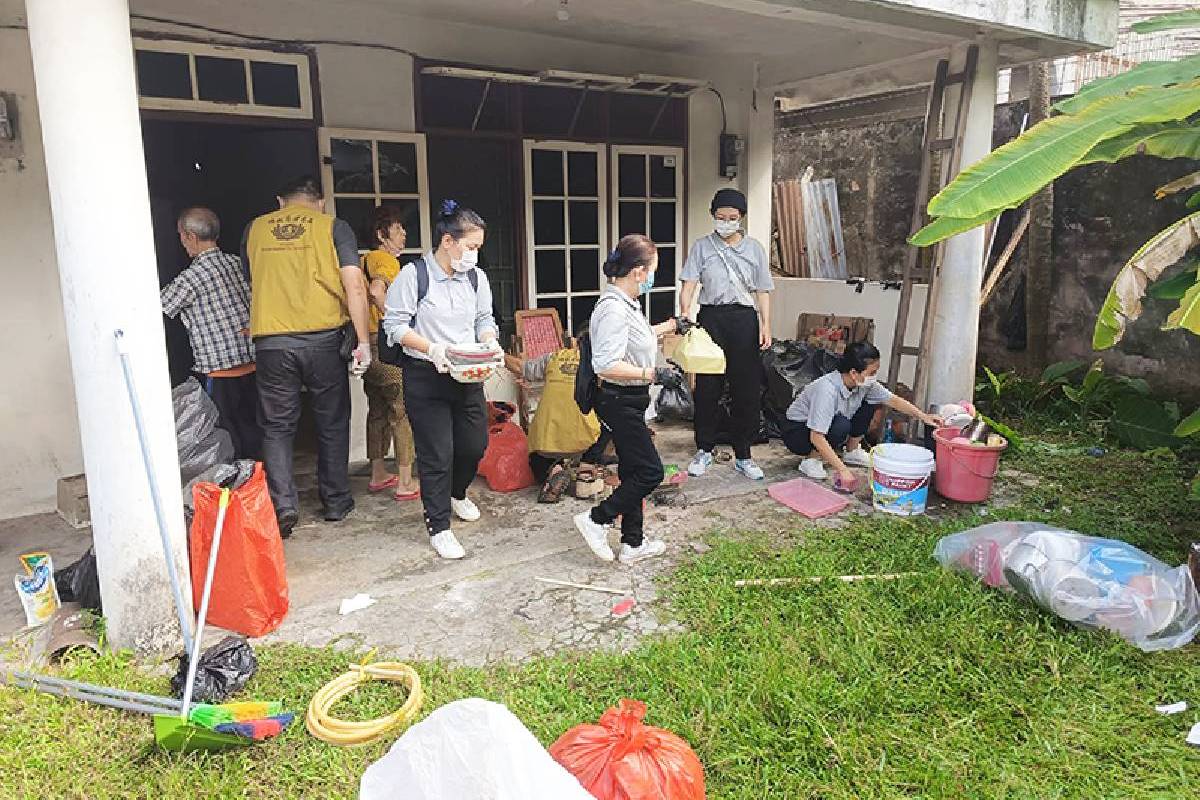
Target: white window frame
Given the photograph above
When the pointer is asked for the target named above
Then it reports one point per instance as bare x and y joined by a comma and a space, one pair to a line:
327, 135
681, 242
246, 55
601, 151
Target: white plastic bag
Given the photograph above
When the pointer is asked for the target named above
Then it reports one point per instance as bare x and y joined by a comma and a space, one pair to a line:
1087, 580
469, 750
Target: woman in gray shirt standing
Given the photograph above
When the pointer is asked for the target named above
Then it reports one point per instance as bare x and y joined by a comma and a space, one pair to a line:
624, 351
733, 277
449, 419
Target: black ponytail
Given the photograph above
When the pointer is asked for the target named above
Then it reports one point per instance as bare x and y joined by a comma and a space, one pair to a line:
633, 251
455, 221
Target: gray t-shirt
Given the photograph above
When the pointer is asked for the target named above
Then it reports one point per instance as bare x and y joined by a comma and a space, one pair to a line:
827, 396
711, 262
452, 311
346, 245
619, 332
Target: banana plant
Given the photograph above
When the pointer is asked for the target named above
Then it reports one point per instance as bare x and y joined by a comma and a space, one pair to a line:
1154, 110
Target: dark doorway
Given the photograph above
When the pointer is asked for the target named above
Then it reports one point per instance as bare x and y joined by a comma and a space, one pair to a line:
234, 169
484, 174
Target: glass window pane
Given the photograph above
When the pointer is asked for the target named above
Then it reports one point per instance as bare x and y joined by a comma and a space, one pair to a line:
631, 175
222, 80
275, 84
352, 166
397, 167
662, 306
631, 217
581, 311
585, 270
662, 222
550, 267
360, 214
662, 177
548, 224
410, 211
547, 168
163, 75
582, 174
585, 222
665, 274
559, 304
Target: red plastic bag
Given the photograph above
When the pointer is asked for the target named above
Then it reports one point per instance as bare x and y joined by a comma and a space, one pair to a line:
505, 463
622, 759
250, 593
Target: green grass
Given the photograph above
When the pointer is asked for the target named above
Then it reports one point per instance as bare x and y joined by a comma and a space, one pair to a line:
929, 686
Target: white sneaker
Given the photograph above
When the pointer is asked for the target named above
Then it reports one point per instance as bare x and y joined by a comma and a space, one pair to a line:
858, 457
700, 463
747, 467
446, 545
464, 509
813, 468
649, 549
595, 535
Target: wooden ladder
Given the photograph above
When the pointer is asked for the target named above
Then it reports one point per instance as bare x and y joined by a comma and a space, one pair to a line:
934, 141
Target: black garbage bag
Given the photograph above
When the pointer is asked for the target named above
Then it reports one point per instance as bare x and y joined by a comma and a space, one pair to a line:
223, 672
675, 400
80, 583
790, 366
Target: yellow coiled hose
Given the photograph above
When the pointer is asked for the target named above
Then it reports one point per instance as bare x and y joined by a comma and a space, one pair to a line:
345, 734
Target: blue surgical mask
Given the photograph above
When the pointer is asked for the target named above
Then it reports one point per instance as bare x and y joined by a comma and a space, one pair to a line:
645, 286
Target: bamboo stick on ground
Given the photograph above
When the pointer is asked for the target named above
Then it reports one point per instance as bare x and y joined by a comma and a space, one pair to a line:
891, 576
573, 585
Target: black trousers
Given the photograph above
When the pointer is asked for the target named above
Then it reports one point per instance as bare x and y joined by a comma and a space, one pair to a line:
623, 411
282, 374
595, 453
798, 438
450, 434
735, 329
236, 400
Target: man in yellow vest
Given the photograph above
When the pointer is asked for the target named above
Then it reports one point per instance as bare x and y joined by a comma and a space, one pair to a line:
308, 306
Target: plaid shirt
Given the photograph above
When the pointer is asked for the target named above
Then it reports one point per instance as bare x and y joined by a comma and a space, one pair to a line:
212, 298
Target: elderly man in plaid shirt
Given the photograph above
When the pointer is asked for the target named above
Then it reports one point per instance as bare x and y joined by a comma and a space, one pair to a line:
212, 298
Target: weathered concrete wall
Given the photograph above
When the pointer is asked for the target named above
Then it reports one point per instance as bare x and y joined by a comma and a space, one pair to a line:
1102, 214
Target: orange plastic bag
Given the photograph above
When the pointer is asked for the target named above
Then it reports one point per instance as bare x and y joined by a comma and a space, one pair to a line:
622, 759
505, 463
250, 593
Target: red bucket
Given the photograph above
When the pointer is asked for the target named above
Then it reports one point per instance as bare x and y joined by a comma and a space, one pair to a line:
965, 471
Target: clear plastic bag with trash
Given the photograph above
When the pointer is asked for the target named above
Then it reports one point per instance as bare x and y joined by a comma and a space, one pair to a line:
1089, 581
200, 443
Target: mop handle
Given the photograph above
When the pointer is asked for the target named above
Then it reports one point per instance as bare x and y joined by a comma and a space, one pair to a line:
194, 661
148, 463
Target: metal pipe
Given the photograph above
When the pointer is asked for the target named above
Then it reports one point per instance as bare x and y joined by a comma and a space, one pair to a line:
148, 463
47, 680
99, 699
214, 548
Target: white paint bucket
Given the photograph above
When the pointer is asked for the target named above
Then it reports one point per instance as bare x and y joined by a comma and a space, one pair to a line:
900, 478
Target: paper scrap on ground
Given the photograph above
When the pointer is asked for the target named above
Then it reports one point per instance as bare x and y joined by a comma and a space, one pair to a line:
1193, 736
1172, 708
356, 603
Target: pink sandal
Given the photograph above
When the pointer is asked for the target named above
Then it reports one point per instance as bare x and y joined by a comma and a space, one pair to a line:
388, 484
401, 498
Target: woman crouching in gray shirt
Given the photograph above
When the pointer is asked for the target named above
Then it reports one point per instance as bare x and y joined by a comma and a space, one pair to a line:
624, 351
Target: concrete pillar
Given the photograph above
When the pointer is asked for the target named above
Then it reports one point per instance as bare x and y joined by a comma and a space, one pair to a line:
760, 162
87, 99
954, 334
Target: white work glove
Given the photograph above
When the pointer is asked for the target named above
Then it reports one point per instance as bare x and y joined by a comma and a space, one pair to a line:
361, 359
437, 354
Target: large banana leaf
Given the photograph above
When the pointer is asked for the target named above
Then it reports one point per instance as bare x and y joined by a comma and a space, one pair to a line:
1176, 286
1193, 202
1050, 148
945, 227
1190, 181
1148, 73
1124, 302
1188, 313
1190, 426
1129, 143
1169, 22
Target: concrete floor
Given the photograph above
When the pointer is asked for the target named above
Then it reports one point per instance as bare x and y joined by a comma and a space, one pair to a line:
487, 607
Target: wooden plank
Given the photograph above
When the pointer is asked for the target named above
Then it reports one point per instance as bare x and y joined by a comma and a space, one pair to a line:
1002, 262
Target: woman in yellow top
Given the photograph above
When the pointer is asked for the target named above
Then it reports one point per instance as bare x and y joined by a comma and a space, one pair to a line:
387, 421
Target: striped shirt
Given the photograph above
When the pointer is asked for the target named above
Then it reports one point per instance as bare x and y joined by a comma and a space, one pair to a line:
212, 299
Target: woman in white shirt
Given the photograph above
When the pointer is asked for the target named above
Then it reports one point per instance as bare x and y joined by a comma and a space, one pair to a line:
624, 351
449, 419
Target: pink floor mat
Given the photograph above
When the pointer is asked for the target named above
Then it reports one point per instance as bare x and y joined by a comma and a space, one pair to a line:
808, 497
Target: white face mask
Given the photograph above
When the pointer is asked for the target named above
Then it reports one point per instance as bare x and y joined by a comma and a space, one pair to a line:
726, 227
466, 262
869, 381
